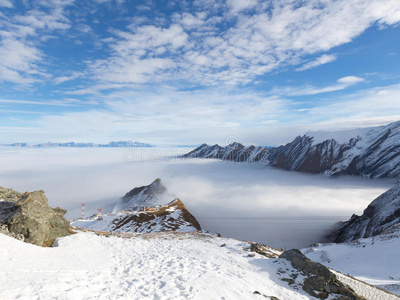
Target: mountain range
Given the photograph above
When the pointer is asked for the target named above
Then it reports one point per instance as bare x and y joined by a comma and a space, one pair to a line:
82, 145
372, 153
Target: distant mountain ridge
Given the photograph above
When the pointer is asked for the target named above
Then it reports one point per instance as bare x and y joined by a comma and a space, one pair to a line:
373, 153
82, 145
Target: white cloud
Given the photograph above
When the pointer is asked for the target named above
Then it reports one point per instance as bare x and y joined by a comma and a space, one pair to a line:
6, 3
45, 103
19, 46
323, 59
61, 79
18, 61
239, 5
341, 84
219, 43
350, 80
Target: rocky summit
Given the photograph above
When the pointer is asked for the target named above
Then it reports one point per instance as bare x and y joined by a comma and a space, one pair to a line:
144, 209
143, 196
28, 217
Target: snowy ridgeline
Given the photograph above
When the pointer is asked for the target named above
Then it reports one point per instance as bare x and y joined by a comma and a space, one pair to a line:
372, 152
148, 266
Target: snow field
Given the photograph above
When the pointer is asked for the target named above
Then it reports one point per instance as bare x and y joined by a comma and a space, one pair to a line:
162, 266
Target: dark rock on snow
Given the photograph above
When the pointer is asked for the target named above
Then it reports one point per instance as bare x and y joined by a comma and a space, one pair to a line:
319, 281
29, 215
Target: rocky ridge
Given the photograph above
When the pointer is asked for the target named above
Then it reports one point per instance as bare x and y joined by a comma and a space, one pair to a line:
373, 153
144, 210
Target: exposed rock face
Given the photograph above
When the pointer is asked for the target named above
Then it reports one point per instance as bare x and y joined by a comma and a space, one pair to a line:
374, 153
140, 197
382, 214
319, 281
138, 216
4, 230
234, 152
29, 215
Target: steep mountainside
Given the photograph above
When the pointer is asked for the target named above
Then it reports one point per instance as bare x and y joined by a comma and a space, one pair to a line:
144, 209
374, 153
382, 214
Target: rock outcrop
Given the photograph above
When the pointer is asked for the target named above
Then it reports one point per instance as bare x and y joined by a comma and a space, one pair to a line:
29, 216
319, 281
373, 153
144, 213
141, 197
382, 214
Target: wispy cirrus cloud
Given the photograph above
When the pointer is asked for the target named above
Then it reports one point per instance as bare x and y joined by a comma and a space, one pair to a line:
323, 59
340, 84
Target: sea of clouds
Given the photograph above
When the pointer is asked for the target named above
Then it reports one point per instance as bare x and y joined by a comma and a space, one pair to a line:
245, 201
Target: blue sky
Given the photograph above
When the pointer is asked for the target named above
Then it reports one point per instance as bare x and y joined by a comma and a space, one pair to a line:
187, 72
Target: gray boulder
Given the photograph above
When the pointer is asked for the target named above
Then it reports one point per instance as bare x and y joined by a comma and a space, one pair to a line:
319, 281
30, 216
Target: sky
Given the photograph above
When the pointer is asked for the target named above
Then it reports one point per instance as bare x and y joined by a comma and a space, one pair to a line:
187, 72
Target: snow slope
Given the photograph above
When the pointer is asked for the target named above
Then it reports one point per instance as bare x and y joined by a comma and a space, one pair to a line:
158, 266
373, 260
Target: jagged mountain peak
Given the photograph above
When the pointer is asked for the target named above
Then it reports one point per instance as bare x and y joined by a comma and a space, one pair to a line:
369, 152
148, 195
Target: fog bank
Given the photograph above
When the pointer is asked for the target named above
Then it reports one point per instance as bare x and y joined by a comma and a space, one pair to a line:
245, 201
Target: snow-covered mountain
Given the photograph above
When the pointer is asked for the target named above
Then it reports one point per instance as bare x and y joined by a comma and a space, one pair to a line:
144, 209
82, 145
373, 153
235, 152
382, 214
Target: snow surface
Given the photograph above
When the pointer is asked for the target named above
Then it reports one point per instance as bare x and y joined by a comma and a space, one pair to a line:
157, 266
373, 260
